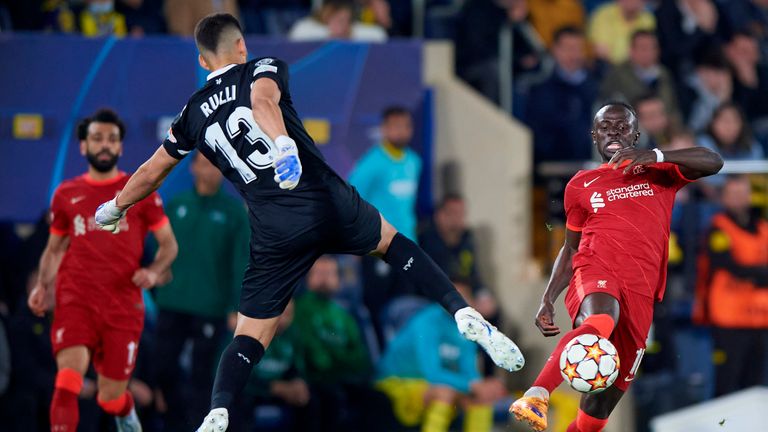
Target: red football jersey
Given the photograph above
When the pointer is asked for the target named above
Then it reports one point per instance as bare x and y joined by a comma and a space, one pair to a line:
624, 220
98, 265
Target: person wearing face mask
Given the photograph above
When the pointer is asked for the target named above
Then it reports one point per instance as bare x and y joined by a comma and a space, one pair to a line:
98, 305
99, 18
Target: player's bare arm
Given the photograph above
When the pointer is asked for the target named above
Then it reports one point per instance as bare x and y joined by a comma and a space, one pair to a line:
143, 182
159, 272
694, 163
146, 179
562, 272
41, 298
265, 99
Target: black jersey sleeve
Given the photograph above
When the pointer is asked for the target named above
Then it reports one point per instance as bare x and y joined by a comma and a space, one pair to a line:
176, 142
272, 68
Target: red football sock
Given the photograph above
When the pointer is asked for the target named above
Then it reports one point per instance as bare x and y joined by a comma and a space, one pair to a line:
587, 423
572, 427
119, 407
64, 409
549, 377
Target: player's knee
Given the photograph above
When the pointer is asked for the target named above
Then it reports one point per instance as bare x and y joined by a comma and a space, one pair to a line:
75, 358
604, 324
442, 394
109, 390
69, 380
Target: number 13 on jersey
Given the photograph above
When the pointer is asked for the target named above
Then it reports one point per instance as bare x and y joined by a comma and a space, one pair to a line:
263, 154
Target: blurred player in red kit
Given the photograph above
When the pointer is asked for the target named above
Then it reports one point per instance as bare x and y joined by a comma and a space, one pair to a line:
98, 280
614, 259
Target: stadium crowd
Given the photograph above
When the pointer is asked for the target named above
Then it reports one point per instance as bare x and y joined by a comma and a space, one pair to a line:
696, 72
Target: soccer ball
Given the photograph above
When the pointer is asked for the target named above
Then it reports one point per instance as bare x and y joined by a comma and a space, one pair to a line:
589, 363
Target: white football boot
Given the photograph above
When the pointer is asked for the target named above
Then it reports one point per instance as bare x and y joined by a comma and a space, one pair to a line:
129, 423
500, 348
216, 421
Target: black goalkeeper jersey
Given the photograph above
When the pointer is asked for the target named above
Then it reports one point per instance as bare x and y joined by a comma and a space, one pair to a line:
218, 121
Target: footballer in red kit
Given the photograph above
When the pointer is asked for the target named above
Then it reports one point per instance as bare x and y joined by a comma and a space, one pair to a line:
98, 279
614, 261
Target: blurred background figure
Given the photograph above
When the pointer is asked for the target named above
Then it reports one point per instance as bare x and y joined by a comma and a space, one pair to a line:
728, 133
656, 123
277, 397
732, 295
337, 365
641, 74
336, 20
212, 230
559, 109
387, 176
612, 25
428, 370
181, 16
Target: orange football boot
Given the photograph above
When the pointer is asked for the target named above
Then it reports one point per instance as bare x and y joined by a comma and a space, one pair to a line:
532, 410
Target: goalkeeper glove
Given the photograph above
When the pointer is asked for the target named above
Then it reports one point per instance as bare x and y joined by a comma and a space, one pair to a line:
287, 165
108, 216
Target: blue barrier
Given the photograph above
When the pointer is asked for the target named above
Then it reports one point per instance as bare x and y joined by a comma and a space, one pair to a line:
341, 87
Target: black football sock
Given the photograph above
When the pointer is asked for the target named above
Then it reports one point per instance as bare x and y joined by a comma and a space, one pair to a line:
235, 366
414, 264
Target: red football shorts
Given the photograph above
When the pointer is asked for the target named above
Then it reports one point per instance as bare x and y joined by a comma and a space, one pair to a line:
635, 317
113, 349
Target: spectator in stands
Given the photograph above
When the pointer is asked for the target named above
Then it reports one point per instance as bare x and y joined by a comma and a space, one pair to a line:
656, 124
559, 109
750, 76
710, 86
99, 18
335, 357
478, 27
387, 176
549, 16
732, 295
729, 134
685, 28
428, 370
750, 16
277, 382
335, 20
450, 243
272, 17
614, 24
641, 74
142, 16
212, 229
182, 16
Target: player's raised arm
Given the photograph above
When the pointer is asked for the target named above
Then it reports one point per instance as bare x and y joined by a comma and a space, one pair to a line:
143, 182
265, 100
694, 162
562, 271
41, 298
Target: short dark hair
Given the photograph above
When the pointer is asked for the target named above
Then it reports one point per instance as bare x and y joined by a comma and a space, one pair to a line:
209, 29
394, 110
624, 105
103, 115
567, 31
448, 197
641, 33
